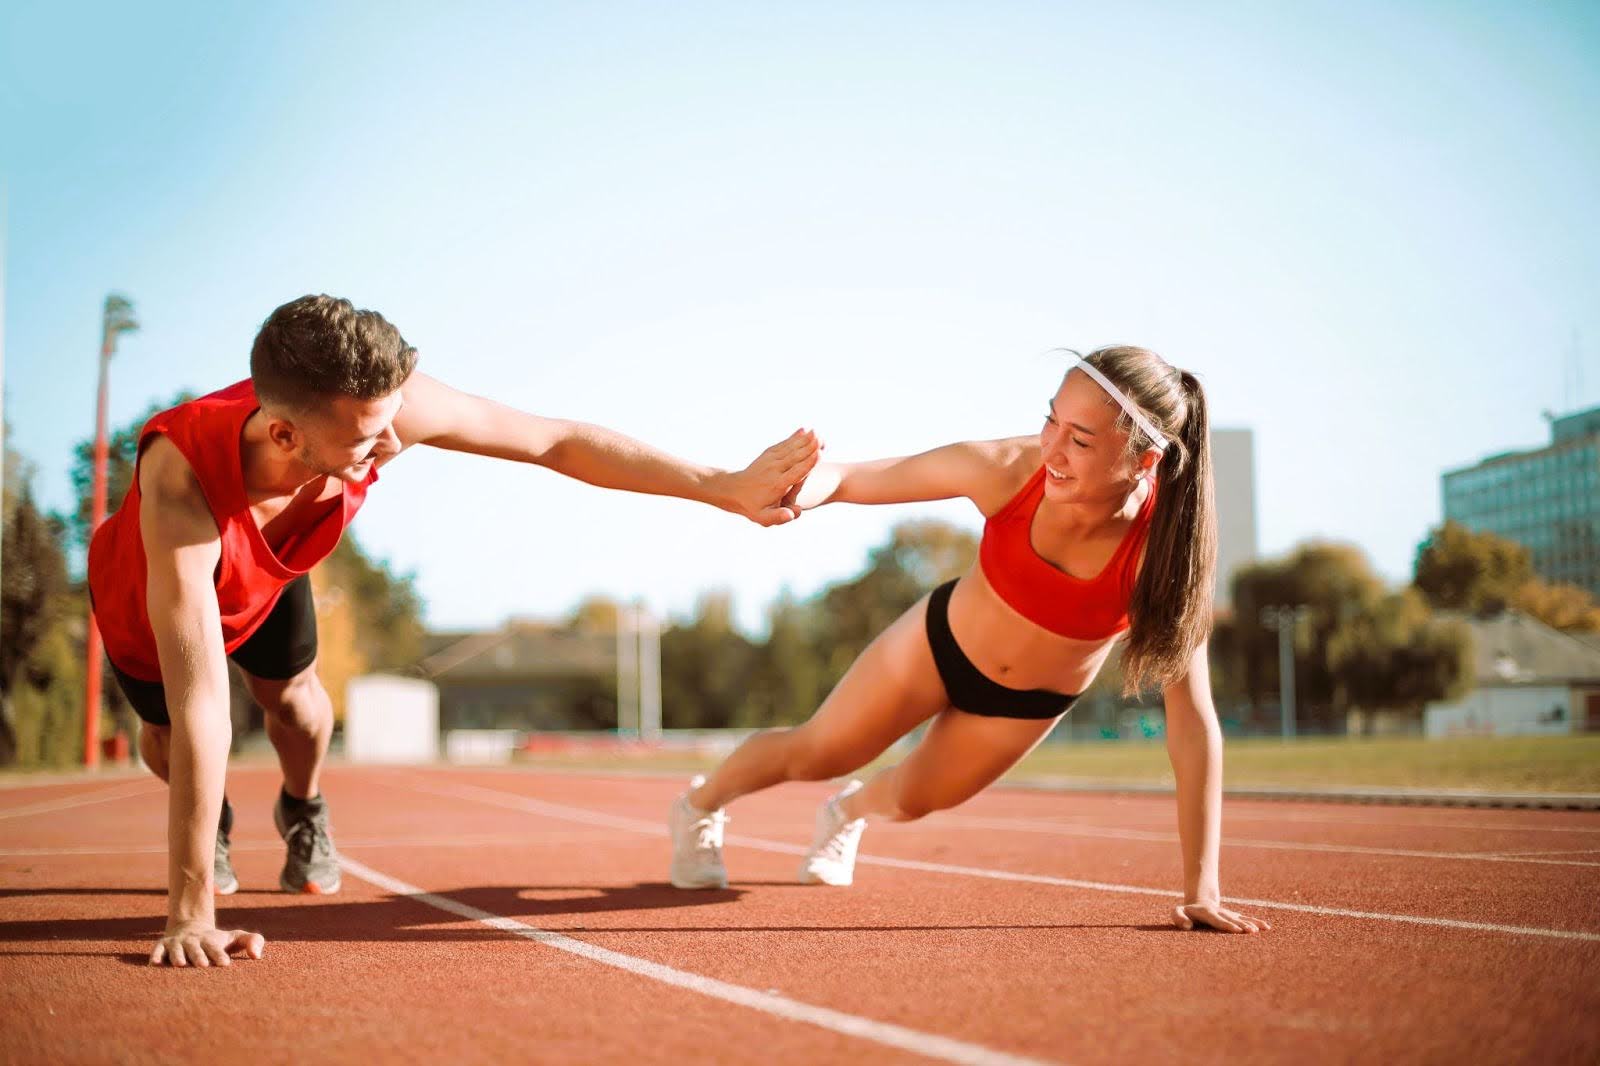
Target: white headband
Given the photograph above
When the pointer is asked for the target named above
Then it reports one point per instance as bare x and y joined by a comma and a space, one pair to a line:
1138, 416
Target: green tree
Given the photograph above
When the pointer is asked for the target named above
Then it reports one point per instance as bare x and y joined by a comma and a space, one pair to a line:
1460, 570
386, 605
789, 678
596, 614
47, 701
918, 556
1565, 607
1363, 647
1397, 656
1483, 574
706, 668
40, 633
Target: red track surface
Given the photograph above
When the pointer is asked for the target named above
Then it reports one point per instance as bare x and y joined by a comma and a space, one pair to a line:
942, 945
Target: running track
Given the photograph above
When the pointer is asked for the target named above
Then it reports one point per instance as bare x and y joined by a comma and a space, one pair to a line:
493, 915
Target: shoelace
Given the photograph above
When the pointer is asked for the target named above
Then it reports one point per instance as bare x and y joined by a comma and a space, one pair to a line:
306, 838
838, 841
708, 832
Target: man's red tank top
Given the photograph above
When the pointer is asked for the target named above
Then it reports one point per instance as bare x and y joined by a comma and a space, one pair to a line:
249, 576
1082, 609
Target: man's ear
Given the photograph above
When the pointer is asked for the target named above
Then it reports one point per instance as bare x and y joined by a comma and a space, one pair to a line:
283, 434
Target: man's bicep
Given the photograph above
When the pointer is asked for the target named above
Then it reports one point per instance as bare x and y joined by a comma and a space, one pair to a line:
181, 548
438, 415
175, 522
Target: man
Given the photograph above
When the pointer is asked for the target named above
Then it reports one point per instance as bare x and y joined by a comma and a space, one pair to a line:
235, 497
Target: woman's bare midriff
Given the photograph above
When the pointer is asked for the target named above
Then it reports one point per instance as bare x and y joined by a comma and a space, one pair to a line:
1014, 652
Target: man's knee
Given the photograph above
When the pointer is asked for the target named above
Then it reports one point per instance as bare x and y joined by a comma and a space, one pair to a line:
299, 701
154, 741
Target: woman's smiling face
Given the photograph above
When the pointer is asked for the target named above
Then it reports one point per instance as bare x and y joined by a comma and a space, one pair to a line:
1084, 452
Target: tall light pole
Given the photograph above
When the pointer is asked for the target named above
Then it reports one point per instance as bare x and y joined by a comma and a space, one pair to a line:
649, 673
627, 669
1285, 619
638, 671
115, 321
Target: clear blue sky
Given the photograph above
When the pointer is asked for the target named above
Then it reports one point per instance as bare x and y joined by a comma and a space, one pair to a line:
1373, 229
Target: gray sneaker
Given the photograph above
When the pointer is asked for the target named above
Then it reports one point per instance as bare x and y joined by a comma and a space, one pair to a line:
223, 881
311, 865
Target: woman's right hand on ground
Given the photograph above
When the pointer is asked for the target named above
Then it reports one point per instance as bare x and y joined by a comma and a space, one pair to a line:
199, 944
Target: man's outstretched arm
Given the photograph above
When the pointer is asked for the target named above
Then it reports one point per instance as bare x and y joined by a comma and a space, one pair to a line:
182, 549
443, 417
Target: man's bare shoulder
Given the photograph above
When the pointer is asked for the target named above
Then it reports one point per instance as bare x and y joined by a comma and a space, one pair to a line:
165, 473
174, 507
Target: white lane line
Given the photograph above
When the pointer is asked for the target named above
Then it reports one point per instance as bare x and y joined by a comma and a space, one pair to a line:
1236, 814
1548, 851
1026, 825
138, 788
580, 814
928, 1045
1240, 808
527, 840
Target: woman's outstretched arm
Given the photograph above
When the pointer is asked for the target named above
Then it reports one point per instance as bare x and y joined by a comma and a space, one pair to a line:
1194, 744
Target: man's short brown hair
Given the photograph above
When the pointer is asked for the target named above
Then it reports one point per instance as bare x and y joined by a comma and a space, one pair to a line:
321, 346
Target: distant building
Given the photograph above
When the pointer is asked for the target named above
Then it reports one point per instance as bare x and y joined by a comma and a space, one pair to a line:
1234, 459
1547, 500
524, 676
1528, 678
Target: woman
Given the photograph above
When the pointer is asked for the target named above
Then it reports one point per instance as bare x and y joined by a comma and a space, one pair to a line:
1101, 527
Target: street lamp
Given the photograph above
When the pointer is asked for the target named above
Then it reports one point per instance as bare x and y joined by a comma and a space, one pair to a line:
115, 321
1284, 619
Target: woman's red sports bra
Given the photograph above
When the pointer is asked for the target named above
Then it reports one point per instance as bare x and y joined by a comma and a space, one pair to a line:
1068, 606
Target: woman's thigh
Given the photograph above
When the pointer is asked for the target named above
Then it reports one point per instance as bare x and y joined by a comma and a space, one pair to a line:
892, 687
961, 755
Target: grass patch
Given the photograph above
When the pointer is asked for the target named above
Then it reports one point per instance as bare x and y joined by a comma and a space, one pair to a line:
1499, 764
1492, 764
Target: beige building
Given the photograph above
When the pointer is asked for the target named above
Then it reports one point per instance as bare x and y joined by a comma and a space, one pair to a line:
1233, 454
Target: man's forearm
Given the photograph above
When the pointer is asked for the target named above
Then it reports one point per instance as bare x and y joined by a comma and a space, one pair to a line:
198, 767
612, 460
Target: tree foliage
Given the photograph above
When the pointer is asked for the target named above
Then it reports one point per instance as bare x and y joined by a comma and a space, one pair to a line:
40, 634
713, 676
1459, 570
1362, 646
1483, 574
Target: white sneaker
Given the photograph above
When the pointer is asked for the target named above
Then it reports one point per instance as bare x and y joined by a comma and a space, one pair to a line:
696, 843
832, 858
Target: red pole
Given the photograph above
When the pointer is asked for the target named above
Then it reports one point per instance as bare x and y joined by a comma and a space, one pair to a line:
91, 702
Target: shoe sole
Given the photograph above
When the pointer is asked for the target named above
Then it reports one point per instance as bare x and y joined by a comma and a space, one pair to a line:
228, 889
310, 888
691, 884
806, 877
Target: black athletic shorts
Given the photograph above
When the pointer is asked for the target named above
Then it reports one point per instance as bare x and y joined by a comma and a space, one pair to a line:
968, 687
285, 644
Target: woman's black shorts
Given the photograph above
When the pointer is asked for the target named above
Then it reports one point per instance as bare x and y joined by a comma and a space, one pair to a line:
968, 688
285, 644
